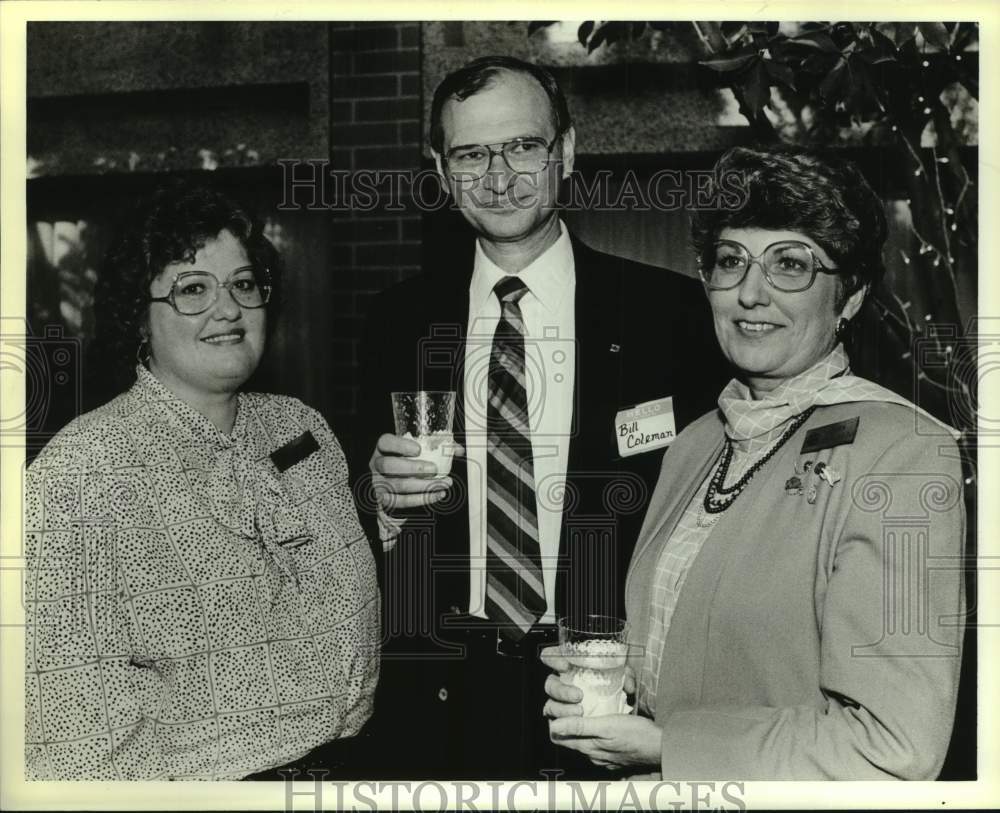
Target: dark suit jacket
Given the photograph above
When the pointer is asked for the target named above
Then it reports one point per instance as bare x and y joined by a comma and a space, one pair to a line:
642, 333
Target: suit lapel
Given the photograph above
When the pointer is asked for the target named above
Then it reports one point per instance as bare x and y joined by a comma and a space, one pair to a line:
598, 364
447, 306
440, 358
591, 442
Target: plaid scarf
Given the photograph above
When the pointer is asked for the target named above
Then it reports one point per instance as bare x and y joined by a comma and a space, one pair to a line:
827, 382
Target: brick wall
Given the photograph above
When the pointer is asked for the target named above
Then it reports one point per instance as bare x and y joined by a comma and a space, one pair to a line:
171, 95
375, 124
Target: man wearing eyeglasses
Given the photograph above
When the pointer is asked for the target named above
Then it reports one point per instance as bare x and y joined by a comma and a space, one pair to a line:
560, 356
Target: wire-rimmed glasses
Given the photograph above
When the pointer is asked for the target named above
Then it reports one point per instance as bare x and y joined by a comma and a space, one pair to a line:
528, 155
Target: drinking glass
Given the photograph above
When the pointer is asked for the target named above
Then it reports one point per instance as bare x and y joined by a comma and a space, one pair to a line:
596, 648
426, 416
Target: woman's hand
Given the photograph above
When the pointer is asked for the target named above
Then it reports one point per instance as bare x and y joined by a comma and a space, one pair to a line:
564, 699
615, 741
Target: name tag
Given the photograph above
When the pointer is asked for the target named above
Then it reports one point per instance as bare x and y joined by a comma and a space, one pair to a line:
645, 427
294, 451
831, 435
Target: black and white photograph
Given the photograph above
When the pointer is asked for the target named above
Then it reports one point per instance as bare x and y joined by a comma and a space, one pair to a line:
481, 414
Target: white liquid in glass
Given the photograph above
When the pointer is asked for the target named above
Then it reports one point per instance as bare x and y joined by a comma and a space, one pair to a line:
437, 448
597, 668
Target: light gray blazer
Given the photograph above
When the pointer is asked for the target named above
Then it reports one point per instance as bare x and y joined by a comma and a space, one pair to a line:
813, 641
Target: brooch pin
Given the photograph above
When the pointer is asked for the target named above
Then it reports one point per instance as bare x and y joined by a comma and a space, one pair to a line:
828, 473
793, 486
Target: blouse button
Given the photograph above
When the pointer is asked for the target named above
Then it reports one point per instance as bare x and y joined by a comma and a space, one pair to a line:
442, 694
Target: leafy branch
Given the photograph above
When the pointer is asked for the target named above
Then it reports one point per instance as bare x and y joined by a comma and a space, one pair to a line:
876, 84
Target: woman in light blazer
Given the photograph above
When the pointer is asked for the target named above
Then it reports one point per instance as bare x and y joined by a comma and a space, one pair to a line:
795, 596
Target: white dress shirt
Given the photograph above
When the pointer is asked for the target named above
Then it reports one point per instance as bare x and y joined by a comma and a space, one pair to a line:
550, 362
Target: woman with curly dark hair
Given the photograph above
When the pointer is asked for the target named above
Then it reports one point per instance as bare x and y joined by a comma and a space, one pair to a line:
791, 613
201, 600
169, 227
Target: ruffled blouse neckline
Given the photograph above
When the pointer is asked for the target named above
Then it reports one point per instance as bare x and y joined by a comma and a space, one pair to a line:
151, 388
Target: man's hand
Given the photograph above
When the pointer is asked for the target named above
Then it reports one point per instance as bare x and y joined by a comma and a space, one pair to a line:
399, 481
614, 741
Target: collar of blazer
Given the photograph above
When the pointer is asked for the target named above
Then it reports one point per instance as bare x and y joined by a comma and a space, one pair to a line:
599, 290
598, 318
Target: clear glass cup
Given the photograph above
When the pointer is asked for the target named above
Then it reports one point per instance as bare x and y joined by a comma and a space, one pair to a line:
596, 647
427, 416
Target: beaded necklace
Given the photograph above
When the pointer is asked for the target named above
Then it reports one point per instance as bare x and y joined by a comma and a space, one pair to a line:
717, 497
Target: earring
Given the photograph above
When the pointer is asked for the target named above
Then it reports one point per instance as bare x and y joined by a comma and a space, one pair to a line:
142, 352
841, 329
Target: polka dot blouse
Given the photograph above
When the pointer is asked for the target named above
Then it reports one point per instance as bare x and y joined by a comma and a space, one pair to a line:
193, 611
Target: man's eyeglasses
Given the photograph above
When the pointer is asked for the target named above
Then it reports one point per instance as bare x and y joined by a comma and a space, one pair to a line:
194, 292
471, 162
788, 266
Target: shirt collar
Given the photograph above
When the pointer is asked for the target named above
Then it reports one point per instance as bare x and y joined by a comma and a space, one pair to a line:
549, 277
149, 388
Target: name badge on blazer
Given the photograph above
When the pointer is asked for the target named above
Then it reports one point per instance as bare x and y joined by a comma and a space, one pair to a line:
831, 435
645, 427
294, 451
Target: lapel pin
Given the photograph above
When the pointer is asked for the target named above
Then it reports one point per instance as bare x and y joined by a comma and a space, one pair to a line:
829, 474
811, 494
793, 486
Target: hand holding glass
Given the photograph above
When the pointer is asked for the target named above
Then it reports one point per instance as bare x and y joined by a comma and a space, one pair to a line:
426, 417
596, 648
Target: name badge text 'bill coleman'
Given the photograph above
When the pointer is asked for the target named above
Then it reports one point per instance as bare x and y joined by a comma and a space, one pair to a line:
645, 427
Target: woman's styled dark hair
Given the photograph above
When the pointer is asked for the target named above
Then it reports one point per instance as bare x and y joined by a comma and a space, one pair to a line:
794, 189
170, 226
477, 75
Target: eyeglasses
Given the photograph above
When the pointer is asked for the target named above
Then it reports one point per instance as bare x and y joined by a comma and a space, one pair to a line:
194, 292
788, 266
471, 162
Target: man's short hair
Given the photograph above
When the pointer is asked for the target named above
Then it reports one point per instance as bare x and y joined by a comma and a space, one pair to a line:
479, 74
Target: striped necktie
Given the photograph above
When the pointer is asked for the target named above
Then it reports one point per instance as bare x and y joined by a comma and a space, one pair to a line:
515, 591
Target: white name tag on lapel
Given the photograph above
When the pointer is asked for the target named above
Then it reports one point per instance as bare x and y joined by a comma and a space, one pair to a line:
645, 427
